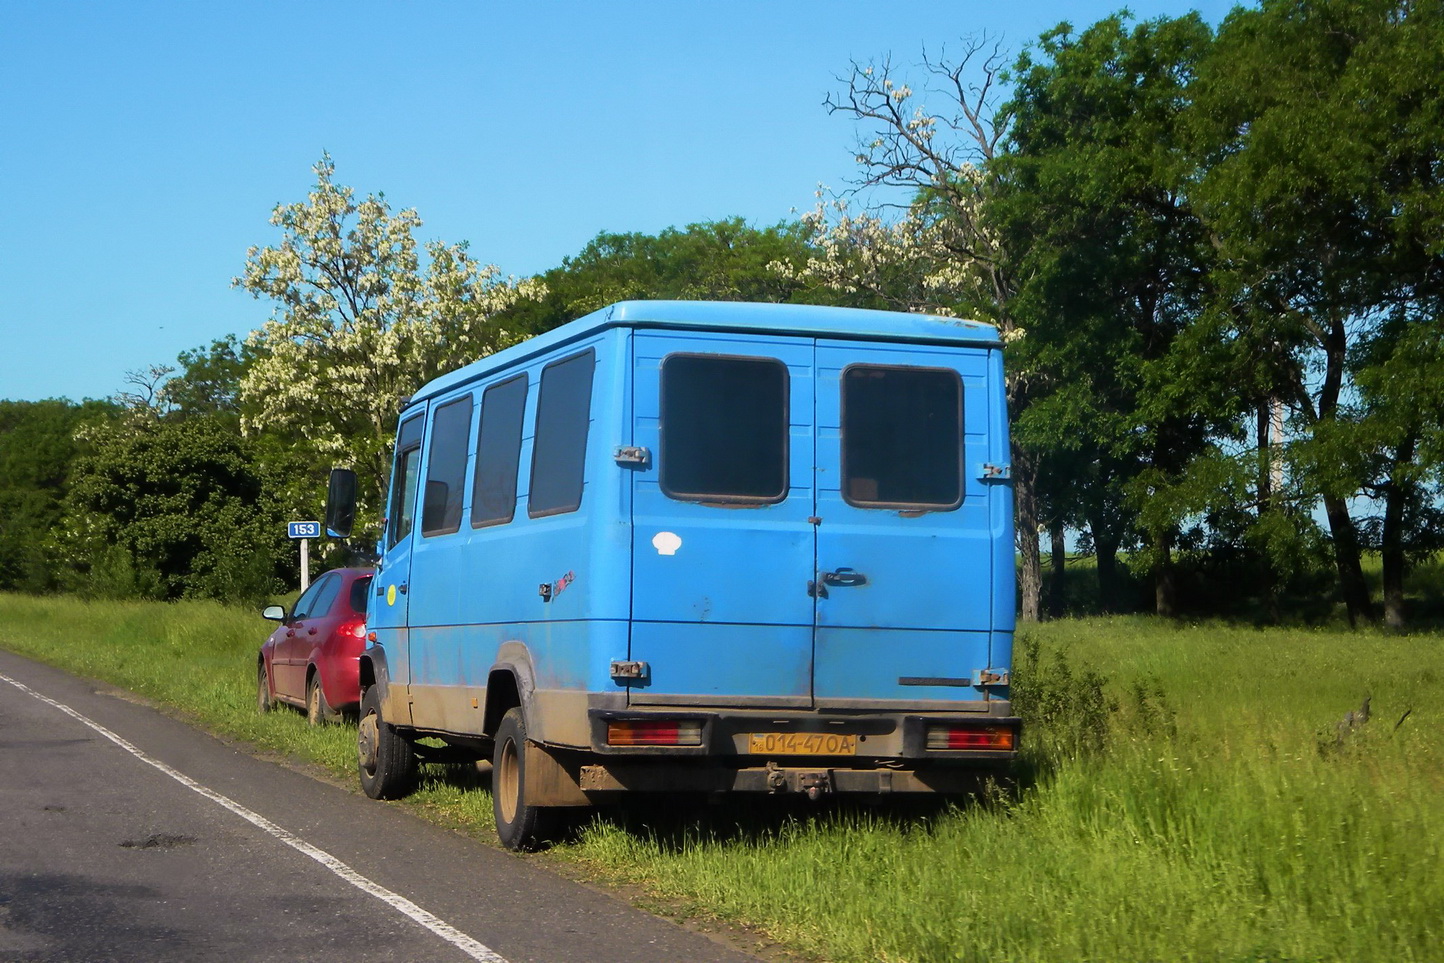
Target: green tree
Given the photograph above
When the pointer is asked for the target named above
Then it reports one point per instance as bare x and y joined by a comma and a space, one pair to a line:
37, 447
172, 509
1319, 136
1109, 258
723, 260
209, 379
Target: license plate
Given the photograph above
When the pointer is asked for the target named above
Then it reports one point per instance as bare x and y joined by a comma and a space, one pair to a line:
802, 744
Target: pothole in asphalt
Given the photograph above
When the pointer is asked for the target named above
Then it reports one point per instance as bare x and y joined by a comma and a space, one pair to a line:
158, 841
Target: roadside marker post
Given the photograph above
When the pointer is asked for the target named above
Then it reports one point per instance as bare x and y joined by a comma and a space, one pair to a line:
305, 531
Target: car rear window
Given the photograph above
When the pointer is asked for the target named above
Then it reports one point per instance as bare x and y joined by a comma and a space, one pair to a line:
724, 428
359, 588
902, 437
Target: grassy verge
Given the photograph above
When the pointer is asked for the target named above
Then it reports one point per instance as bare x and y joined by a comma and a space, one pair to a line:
1187, 795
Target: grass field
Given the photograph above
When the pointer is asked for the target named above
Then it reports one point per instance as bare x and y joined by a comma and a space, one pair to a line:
1186, 795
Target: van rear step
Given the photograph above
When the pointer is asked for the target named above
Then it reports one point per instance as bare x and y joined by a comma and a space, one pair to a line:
779, 779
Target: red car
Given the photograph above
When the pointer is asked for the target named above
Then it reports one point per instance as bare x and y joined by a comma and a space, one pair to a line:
312, 660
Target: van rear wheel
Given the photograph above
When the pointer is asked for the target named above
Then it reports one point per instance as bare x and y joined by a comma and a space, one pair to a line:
520, 826
385, 759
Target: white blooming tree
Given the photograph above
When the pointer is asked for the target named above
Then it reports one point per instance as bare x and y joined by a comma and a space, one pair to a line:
941, 254
361, 320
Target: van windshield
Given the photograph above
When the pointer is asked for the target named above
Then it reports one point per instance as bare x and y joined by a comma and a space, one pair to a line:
902, 437
724, 428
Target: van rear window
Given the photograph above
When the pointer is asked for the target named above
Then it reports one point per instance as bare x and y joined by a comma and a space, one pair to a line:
902, 437
724, 428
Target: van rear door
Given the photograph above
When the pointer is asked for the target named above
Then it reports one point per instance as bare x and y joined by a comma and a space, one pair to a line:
905, 540
722, 537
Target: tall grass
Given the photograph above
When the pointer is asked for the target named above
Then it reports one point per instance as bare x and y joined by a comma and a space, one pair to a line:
1187, 794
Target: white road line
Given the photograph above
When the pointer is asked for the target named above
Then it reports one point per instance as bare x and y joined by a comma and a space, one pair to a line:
401, 904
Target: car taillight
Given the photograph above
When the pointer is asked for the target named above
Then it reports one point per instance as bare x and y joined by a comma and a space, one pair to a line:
971, 737
655, 732
356, 630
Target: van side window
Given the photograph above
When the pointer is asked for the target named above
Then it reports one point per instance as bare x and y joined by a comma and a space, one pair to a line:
498, 452
446, 471
724, 428
563, 415
403, 482
902, 437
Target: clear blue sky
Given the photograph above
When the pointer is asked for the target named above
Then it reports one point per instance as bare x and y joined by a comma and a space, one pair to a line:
143, 144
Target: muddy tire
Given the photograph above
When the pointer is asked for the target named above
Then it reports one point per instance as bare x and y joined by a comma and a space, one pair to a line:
318, 710
385, 759
520, 827
264, 702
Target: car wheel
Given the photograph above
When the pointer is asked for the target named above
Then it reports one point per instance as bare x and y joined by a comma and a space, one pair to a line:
520, 827
264, 703
318, 710
386, 760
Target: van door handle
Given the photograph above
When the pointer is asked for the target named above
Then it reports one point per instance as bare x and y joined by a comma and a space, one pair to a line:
401, 587
844, 576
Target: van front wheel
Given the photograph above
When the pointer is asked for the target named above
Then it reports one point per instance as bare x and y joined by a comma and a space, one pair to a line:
385, 759
520, 826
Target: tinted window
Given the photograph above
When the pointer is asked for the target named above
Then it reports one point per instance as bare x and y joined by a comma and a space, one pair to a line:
330, 587
724, 428
446, 471
902, 437
559, 451
306, 604
359, 588
403, 482
498, 452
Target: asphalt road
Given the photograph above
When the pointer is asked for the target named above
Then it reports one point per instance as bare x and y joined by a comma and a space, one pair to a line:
126, 835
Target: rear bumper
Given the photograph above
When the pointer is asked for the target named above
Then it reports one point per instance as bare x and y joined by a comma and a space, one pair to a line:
883, 739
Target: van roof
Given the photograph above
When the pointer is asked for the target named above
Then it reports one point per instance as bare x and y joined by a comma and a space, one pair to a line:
803, 319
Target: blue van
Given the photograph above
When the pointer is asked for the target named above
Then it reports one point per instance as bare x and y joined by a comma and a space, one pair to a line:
698, 547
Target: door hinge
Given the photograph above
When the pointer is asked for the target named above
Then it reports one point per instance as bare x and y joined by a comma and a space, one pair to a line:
990, 677
630, 673
631, 456
996, 473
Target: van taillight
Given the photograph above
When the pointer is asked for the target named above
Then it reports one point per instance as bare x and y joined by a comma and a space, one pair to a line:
971, 737
655, 732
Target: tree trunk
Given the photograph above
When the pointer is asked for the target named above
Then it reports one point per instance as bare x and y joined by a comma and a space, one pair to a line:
1107, 563
1058, 558
1025, 515
1165, 588
1265, 458
1270, 470
1341, 525
1395, 564
1346, 559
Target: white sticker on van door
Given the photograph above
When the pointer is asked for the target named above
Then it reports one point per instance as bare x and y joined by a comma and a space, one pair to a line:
666, 543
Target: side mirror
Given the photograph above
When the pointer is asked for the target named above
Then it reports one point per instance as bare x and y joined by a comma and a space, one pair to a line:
275, 613
341, 503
